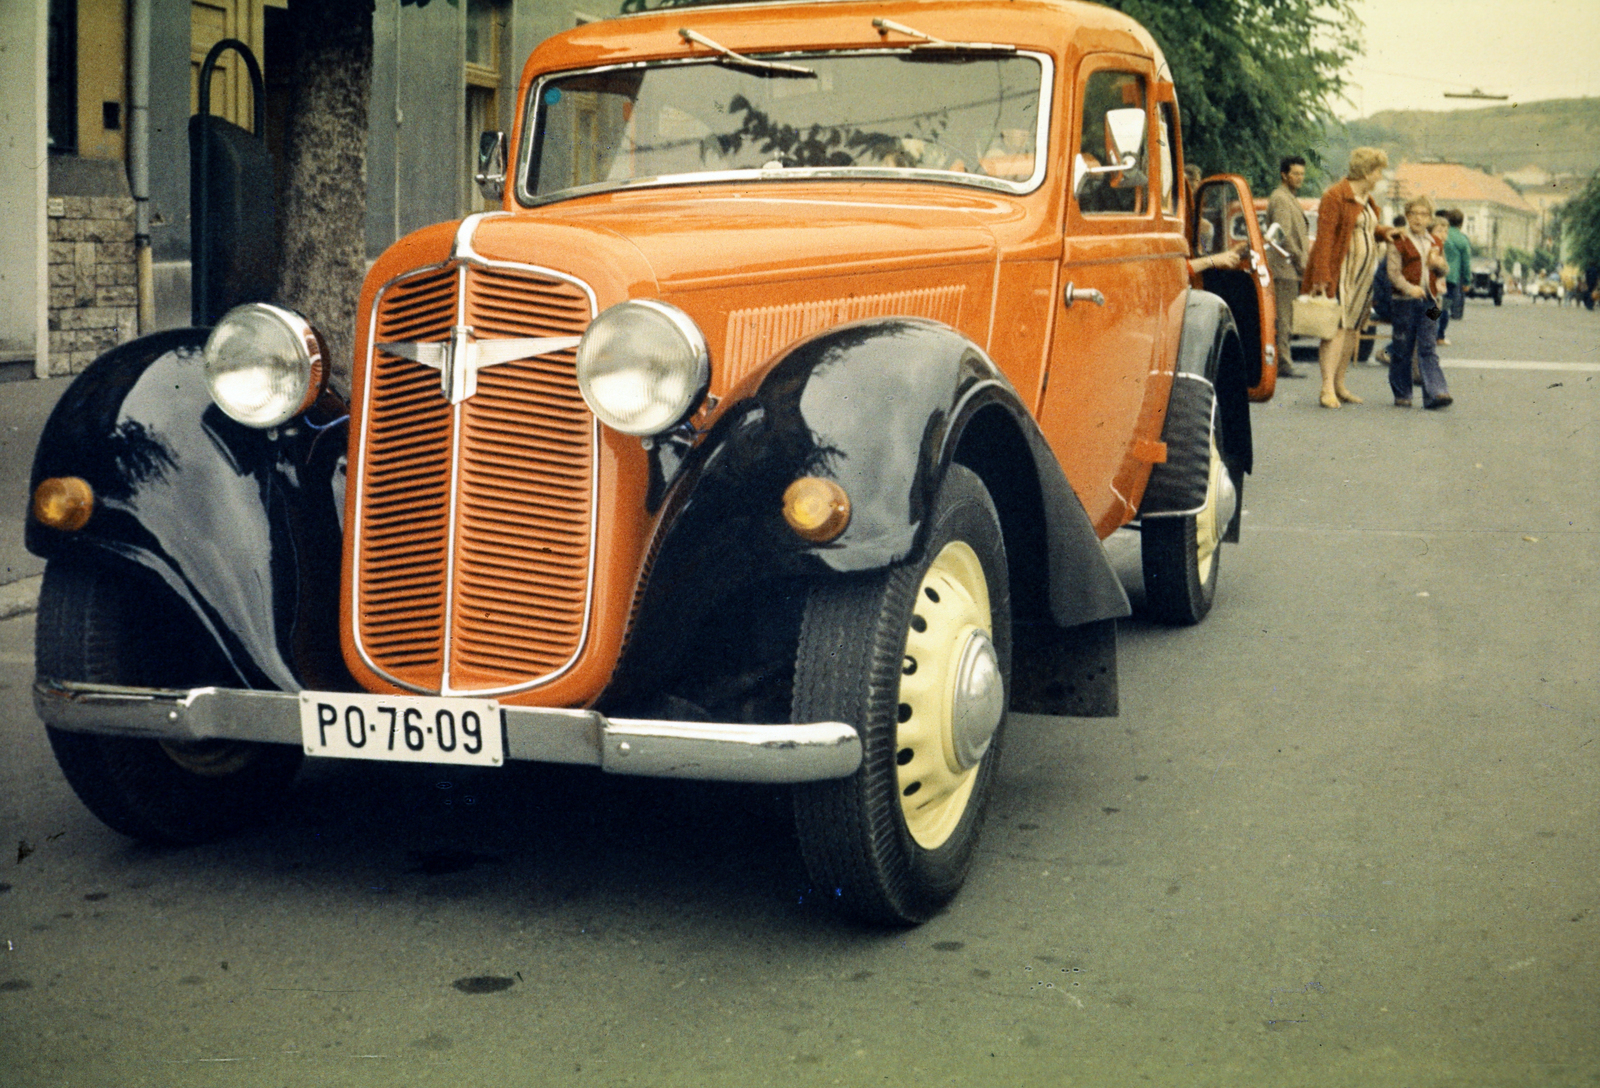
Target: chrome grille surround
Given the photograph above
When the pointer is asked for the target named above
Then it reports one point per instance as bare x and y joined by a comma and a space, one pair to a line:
453, 588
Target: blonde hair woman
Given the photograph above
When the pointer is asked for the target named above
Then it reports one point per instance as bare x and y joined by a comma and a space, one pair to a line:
1342, 261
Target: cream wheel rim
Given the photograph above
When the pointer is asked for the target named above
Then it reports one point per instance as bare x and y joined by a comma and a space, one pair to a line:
951, 695
1207, 532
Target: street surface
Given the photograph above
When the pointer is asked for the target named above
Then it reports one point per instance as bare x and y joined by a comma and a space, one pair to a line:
1342, 834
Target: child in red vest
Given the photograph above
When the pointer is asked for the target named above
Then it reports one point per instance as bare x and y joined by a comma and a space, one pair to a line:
1416, 268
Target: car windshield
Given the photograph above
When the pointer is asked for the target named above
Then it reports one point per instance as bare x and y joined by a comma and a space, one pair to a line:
968, 118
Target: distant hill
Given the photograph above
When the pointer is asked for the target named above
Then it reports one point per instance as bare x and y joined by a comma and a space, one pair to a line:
1561, 135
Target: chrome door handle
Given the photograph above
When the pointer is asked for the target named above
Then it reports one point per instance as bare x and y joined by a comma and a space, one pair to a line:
1085, 294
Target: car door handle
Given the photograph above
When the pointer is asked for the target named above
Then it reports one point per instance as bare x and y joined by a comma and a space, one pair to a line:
1082, 294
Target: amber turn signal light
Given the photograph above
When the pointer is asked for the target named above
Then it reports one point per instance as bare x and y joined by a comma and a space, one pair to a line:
63, 502
817, 510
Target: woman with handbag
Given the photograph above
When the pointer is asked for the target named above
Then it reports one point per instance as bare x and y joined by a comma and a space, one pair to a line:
1343, 258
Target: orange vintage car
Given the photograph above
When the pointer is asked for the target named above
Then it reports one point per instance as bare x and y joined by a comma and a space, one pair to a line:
769, 431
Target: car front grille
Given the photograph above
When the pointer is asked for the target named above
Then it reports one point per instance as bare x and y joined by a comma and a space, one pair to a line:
474, 522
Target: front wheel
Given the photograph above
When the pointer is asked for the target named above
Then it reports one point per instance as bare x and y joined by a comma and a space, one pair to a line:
1181, 555
918, 659
96, 628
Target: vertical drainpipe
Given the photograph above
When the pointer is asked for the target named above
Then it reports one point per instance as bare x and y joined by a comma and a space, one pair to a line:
139, 157
399, 122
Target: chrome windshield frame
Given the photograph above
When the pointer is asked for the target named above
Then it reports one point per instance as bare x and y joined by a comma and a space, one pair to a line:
527, 199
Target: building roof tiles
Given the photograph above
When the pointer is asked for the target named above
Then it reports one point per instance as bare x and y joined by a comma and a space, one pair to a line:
1452, 183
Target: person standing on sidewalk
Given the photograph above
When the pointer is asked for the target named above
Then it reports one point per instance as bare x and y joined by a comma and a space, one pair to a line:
1342, 262
1287, 260
1458, 256
1416, 270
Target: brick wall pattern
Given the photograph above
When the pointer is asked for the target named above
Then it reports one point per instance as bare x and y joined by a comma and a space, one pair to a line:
93, 279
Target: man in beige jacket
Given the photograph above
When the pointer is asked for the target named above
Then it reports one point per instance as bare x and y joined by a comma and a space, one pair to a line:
1287, 259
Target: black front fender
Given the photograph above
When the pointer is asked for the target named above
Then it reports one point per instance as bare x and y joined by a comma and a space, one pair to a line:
882, 408
240, 525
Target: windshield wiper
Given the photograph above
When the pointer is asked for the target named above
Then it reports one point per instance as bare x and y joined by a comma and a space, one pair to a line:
930, 43
743, 61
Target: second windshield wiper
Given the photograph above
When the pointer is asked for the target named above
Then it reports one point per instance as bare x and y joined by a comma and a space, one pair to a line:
929, 42
743, 61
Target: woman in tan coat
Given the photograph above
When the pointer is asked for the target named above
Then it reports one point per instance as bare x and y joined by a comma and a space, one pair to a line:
1343, 258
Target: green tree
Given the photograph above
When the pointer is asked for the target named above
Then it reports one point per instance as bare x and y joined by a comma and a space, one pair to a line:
1257, 79
1580, 225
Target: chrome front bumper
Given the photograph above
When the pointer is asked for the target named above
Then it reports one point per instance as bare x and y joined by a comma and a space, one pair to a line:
710, 751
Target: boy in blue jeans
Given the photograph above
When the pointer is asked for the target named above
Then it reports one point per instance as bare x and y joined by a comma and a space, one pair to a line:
1416, 274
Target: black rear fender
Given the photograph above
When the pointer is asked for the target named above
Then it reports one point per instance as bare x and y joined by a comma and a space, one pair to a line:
1210, 391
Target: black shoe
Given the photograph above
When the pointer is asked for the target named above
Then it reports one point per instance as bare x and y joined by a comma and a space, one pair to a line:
1444, 401
1286, 371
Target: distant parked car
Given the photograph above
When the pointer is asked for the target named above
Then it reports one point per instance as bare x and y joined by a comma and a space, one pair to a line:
1487, 280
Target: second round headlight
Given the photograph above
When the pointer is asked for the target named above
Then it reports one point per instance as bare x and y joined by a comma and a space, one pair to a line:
264, 364
643, 367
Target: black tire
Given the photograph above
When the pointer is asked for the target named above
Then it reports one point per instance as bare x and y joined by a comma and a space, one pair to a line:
96, 628
1182, 557
881, 856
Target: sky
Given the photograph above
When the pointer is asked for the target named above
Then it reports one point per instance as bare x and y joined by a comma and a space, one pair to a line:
1416, 50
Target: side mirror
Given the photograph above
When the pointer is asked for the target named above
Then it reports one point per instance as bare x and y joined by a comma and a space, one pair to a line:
1127, 129
491, 172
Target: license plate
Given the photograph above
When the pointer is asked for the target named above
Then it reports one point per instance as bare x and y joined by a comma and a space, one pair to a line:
403, 728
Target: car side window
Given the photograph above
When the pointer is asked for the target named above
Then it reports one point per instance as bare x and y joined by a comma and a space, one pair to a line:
1112, 169
1220, 223
1168, 182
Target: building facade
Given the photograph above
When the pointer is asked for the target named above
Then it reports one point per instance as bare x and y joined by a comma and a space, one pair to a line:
1497, 216
88, 86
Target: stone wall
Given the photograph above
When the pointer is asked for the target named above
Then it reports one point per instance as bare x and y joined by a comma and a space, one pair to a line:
93, 279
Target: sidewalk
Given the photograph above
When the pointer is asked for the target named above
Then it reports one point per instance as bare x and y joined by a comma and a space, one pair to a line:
24, 407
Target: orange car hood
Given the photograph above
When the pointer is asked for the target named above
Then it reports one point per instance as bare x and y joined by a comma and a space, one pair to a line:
702, 239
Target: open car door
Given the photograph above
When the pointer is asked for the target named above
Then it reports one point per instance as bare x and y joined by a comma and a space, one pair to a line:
1224, 218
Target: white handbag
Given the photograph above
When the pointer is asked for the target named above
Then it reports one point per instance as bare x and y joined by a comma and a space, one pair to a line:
1318, 317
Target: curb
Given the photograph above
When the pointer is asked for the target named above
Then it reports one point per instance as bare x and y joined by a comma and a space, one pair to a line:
20, 597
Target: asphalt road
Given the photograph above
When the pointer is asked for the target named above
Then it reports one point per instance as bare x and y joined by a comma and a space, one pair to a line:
1343, 833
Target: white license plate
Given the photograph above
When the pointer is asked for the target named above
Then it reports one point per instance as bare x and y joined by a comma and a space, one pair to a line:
404, 728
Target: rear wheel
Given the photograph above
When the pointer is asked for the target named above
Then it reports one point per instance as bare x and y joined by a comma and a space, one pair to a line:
918, 659
1181, 555
96, 628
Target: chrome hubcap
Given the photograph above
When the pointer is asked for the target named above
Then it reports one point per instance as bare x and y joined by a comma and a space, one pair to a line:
979, 701
209, 758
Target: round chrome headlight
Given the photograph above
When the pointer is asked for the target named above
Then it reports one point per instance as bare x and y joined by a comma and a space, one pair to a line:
264, 364
643, 367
